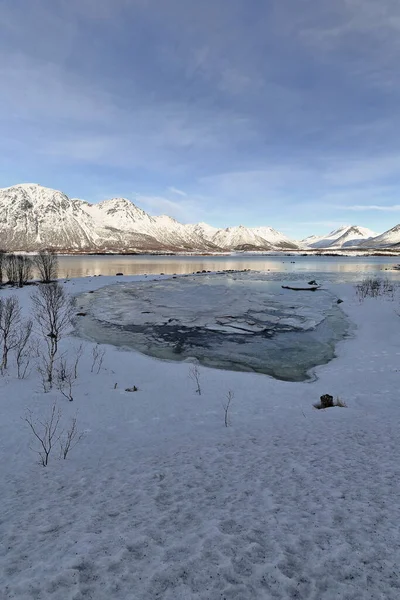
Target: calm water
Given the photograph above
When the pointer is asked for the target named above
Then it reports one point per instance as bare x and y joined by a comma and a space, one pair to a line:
340, 269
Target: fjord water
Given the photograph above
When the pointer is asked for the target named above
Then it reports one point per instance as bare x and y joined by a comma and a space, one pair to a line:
339, 269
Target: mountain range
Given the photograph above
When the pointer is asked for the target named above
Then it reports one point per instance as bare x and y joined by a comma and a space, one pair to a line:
33, 217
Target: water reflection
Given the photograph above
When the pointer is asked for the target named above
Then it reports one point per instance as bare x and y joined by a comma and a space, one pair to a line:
336, 268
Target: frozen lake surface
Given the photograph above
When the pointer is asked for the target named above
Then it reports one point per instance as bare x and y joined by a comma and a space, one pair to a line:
239, 321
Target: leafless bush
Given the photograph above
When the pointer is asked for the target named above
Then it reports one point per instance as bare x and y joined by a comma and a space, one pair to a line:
24, 270
10, 317
52, 310
372, 287
45, 431
46, 263
229, 397
78, 355
11, 269
98, 357
65, 378
18, 269
194, 374
71, 438
23, 348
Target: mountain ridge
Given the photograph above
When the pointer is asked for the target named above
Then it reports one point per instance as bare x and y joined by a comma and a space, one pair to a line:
33, 217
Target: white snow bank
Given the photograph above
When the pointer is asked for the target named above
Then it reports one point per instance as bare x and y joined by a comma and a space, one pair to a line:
160, 500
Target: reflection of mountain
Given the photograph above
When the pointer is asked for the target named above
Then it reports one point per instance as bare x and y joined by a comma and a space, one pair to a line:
34, 217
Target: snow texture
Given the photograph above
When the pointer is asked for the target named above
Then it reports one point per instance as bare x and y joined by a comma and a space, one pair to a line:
161, 500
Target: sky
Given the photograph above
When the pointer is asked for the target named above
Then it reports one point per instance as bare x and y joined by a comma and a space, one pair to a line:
253, 112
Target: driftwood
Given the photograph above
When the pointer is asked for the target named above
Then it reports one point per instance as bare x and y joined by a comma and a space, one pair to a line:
301, 289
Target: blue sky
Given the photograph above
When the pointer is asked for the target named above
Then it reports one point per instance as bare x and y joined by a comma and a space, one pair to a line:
253, 112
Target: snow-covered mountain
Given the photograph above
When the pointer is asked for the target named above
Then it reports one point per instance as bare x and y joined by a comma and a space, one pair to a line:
385, 240
275, 238
240, 238
34, 217
345, 236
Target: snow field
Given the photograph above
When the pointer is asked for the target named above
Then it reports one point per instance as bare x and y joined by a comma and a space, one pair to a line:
160, 500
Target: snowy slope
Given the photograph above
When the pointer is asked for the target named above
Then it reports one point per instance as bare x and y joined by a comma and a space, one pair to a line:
240, 238
346, 235
275, 238
32, 216
353, 236
203, 230
386, 239
161, 500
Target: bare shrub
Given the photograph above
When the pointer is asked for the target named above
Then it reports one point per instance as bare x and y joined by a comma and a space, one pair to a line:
43, 368
194, 374
46, 263
18, 269
372, 287
229, 397
65, 378
11, 269
78, 355
23, 348
24, 270
53, 311
45, 431
71, 438
10, 317
98, 357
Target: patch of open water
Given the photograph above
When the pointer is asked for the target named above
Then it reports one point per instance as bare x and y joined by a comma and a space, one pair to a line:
237, 321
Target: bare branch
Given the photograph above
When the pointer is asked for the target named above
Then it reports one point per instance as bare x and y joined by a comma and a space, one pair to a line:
98, 357
71, 439
65, 378
10, 317
46, 263
229, 397
53, 311
23, 348
194, 374
46, 432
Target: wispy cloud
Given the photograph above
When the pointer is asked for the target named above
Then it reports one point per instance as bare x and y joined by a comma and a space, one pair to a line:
175, 190
186, 211
368, 207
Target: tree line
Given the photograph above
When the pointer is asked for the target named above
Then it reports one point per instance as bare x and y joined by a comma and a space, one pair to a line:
17, 269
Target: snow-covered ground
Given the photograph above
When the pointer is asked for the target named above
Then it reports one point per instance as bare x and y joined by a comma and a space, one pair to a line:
161, 500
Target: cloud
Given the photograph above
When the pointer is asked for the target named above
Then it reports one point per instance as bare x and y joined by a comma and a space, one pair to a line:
186, 211
368, 207
175, 190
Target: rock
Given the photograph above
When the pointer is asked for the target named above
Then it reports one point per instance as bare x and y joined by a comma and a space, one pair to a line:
339, 301
132, 389
326, 401
118, 274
